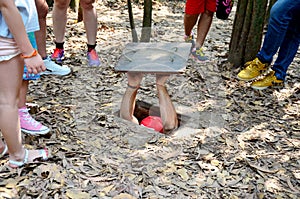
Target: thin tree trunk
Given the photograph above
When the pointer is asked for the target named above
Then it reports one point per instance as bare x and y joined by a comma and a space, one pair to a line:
238, 39
147, 20
131, 20
256, 28
247, 31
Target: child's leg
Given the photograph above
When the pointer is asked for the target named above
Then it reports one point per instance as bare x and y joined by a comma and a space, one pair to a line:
10, 81
23, 93
27, 123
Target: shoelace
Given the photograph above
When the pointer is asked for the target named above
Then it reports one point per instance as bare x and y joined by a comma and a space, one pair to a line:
93, 54
188, 38
252, 64
57, 52
199, 52
27, 117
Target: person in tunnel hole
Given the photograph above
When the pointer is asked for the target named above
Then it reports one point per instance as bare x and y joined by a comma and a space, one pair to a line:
167, 110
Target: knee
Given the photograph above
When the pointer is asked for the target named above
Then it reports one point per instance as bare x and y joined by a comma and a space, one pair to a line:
62, 5
42, 10
87, 4
191, 16
208, 13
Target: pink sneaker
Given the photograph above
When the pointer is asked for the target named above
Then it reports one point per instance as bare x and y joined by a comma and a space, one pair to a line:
30, 125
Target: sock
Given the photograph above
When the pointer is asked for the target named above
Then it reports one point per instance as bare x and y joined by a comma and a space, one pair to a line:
91, 47
59, 45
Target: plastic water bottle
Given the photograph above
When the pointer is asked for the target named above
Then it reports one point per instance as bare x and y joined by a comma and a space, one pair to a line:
30, 76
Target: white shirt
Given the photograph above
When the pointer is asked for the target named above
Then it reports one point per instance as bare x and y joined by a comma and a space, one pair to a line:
29, 16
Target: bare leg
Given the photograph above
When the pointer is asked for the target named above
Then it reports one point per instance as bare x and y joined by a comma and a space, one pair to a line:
59, 17
23, 93
89, 20
204, 24
128, 101
10, 83
42, 9
189, 23
167, 110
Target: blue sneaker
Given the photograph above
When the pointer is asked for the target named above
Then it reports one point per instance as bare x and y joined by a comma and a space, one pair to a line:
93, 58
198, 55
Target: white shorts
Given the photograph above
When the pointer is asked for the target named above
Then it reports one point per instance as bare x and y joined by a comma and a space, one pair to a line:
8, 49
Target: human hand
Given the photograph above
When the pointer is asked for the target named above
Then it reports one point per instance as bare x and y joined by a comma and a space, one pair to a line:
35, 64
134, 79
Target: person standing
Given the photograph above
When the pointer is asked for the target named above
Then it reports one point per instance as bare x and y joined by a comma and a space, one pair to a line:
198, 12
59, 16
283, 36
38, 41
17, 18
51, 67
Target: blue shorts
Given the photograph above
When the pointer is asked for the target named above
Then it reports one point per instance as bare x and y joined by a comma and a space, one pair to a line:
26, 75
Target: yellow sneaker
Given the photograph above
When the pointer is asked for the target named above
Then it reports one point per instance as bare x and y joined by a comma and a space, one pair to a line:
269, 80
252, 70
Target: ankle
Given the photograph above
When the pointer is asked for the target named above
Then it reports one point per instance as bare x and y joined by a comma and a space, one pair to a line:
59, 45
17, 156
23, 108
91, 47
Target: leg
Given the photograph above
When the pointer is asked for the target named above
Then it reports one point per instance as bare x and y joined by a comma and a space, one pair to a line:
128, 101
27, 123
23, 93
90, 24
42, 9
189, 23
10, 83
280, 17
89, 20
167, 110
59, 16
203, 27
289, 47
9, 93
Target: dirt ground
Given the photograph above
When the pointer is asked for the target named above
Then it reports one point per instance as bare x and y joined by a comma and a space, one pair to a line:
235, 142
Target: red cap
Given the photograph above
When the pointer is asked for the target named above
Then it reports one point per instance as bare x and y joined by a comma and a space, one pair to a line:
153, 122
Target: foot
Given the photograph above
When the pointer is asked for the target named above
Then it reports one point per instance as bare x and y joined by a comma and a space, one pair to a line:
270, 80
54, 69
58, 55
29, 157
93, 58
190, 39
30, 125
198, 55
252, 70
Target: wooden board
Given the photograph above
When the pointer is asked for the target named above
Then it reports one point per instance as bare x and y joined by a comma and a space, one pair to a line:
154, 57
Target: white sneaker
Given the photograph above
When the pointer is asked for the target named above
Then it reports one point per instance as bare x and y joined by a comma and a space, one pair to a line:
54, 69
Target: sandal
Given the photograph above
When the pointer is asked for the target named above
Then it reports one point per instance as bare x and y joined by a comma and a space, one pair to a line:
43, 154
4, 152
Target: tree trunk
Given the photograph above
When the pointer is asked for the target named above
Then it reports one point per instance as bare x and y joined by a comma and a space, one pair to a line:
247, 31
131, 20
147, 20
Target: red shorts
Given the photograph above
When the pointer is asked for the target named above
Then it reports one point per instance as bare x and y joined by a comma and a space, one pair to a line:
193, 7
